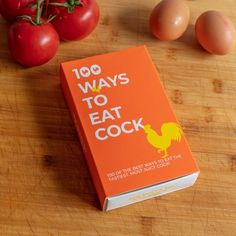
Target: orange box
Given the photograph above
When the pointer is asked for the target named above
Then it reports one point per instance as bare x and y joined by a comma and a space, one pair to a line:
133, 144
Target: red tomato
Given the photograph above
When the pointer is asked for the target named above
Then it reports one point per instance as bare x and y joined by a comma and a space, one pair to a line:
78, 23
32, 45
10, 9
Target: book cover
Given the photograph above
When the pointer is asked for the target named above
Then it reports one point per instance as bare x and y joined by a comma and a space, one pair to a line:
132, 141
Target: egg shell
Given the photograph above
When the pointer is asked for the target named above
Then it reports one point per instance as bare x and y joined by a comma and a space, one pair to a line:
215, 33
169, 19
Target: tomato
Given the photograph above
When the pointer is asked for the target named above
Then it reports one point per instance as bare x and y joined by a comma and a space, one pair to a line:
10, 9
77, 23
32, 45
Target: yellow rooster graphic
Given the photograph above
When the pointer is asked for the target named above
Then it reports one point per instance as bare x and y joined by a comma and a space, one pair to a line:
169, 131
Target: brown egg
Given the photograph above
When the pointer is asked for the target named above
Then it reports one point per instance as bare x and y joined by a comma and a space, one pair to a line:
169, 19
215, 32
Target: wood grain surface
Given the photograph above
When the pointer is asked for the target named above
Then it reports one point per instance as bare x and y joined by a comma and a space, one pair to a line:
45, 186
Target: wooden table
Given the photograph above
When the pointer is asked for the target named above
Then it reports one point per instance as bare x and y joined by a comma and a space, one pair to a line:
45, 186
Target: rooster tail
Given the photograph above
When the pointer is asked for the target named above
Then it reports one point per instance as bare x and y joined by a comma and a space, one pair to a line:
172, 130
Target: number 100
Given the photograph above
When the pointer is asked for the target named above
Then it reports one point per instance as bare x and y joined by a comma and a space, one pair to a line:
85, 71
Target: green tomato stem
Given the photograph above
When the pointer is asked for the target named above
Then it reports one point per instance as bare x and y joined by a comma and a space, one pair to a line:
39, 12
71, 2
28, 18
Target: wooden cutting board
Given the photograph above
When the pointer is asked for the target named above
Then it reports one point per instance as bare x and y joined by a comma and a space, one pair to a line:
45, 186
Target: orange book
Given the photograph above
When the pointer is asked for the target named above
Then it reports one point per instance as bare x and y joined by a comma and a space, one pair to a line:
132, 141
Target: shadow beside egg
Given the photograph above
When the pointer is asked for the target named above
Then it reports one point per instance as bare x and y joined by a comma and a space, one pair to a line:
189, 39
136, 21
